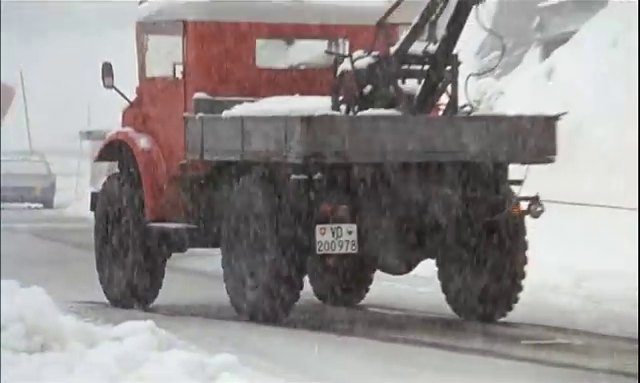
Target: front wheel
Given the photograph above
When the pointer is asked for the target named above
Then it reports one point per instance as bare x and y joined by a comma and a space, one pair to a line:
130, 270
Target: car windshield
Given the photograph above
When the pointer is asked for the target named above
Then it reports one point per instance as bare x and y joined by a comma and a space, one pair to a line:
24, 167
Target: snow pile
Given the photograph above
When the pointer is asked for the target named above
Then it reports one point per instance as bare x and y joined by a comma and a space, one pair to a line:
594, 78
283, 106
40, 343
470, 39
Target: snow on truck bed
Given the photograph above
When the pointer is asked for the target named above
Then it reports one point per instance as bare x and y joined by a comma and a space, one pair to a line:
283, 106
293, 106
42, 344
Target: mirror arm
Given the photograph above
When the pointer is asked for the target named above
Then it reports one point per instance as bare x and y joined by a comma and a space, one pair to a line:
122, 95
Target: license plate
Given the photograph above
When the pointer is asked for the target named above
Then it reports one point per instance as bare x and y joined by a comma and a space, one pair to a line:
337, 238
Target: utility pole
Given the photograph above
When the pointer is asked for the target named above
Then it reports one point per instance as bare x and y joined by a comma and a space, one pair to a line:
26, 111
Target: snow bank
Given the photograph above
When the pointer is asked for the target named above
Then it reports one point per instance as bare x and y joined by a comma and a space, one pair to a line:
470, 39
283, 106
40, 343
594, 78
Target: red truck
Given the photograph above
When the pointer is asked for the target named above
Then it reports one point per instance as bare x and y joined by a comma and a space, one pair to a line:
335, 197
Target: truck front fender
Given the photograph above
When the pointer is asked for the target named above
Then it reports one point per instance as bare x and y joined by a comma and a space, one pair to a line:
150, 165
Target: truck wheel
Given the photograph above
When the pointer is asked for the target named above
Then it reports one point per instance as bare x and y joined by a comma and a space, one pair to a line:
130, 271
342, 281
339, 279
262, 266
481, 277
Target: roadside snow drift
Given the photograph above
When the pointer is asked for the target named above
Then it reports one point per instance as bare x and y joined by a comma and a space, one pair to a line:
40, 343
594, 78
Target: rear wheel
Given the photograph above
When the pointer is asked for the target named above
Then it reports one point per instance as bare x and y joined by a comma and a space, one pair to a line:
261, 259
482, 273
339, 279
130, 270
342, 280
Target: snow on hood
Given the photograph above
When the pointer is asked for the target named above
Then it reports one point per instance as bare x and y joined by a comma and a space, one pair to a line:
142, 139
594, 77
42, 344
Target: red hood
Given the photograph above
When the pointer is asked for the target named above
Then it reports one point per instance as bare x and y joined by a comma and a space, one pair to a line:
7, 93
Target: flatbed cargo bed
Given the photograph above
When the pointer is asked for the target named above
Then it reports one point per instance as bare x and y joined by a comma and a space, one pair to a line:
372, 138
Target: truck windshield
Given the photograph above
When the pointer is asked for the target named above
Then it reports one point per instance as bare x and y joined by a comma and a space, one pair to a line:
296, 53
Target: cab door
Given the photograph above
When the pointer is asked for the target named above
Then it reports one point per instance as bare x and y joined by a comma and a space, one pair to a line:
161, 93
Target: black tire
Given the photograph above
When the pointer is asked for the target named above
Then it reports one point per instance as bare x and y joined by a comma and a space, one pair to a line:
342, 279
481, 277
130, 270
390, 224
343, 282
262, 265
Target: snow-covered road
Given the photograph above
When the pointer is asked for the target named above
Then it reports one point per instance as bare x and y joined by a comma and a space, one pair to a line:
403, 332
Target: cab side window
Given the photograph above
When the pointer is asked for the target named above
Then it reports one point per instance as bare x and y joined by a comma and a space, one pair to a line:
161, 50
292, 53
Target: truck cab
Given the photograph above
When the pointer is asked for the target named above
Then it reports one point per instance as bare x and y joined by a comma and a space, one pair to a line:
201, 56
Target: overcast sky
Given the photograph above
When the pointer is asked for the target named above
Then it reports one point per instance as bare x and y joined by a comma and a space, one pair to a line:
59, 45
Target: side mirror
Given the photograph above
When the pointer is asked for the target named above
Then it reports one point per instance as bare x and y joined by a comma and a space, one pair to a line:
107, 80
107, 75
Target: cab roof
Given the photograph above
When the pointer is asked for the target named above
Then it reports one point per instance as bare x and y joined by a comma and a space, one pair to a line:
332, 12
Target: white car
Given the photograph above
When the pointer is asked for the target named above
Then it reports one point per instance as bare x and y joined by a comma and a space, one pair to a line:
28, 179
